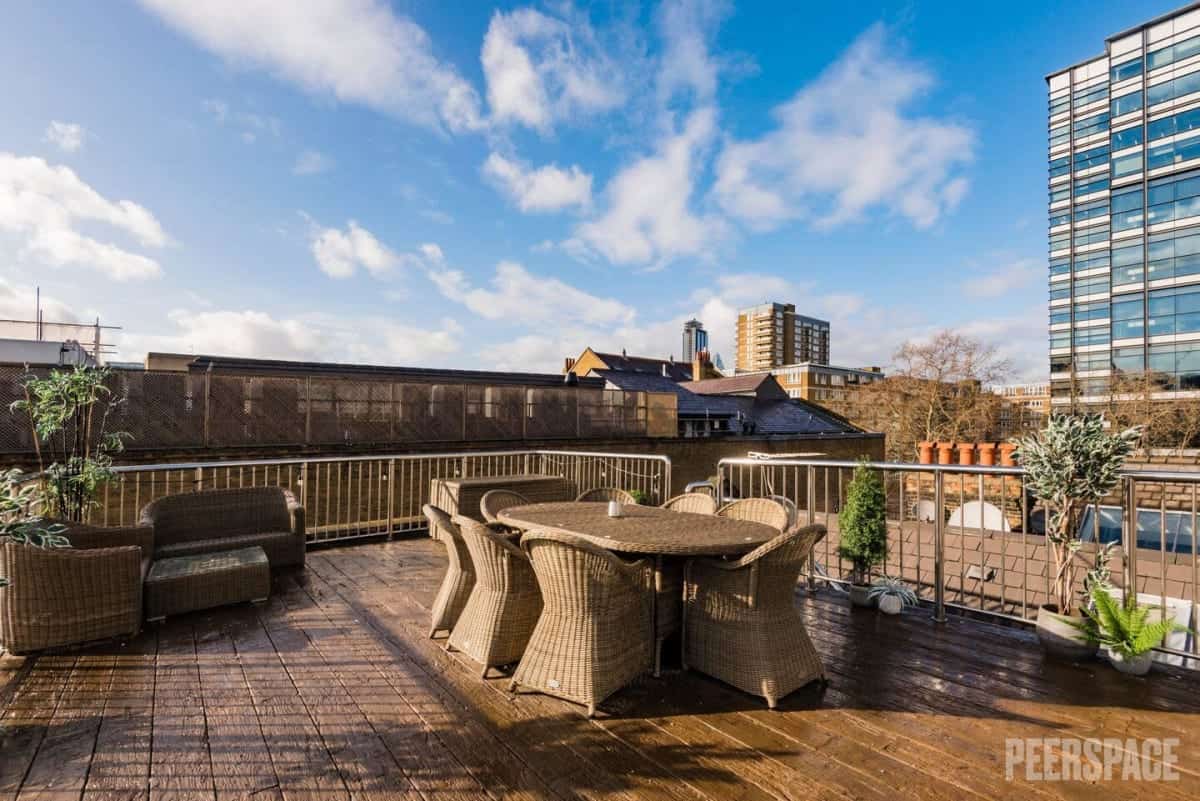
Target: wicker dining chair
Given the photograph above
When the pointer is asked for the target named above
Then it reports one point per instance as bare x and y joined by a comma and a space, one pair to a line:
606, 494
793, 514
496, 501
698, 503
596, 631
460, 573
757, 510
504, 606
740, 621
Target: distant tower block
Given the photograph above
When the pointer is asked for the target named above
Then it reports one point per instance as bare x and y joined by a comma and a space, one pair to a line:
695, 339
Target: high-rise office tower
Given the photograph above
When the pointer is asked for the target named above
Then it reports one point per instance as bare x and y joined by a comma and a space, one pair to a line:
1124, 164
695, 339
772, 334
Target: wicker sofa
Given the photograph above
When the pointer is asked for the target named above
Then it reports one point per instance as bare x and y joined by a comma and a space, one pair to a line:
66, 596
225, 520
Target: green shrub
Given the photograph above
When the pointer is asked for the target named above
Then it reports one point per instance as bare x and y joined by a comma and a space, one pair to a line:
862, 523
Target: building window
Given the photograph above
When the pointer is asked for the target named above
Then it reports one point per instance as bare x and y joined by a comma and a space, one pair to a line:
1127, 137
1174, 311
1127, 209
1126, 103
1127, 264
1125, 70
1127, 317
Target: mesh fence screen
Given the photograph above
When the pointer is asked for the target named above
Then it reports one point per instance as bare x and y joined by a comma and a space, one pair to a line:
175, 410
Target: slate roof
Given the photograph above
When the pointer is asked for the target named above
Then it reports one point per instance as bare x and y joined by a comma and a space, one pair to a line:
677, 371
729, 385
689, 404
767, 417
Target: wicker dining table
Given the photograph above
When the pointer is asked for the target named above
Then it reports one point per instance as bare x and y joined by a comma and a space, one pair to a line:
667, 536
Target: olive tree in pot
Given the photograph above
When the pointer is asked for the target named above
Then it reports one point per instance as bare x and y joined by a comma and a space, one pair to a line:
1071, 464
862, 529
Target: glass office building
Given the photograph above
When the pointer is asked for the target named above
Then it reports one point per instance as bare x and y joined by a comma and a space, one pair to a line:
1124, 192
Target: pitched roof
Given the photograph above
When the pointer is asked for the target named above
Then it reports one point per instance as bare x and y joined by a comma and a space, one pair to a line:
795, 416
676, 371
749, 383
689, 403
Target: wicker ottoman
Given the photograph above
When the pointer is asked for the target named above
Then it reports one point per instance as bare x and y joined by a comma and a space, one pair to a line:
181, 584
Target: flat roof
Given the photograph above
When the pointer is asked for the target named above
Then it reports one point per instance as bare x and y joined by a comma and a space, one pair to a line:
1127, 32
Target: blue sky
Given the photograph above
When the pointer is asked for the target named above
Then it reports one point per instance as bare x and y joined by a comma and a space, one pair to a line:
481, 185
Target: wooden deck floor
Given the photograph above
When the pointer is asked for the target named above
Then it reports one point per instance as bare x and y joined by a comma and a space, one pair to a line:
333, 691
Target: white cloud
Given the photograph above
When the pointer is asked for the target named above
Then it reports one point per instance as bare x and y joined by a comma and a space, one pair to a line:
548, 188
688, 66
250, 124
311, 162
339, 253
1005, 279
648, 218
359, 51
44, 205
521, 297
847, 143
67, 136
259, 334
540, 69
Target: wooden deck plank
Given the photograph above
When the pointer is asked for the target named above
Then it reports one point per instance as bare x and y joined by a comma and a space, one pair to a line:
333, 692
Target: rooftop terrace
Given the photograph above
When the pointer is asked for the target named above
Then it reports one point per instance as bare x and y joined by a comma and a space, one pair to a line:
333, 690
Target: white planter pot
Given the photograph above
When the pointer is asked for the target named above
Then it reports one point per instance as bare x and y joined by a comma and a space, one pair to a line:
1135, 666
890, 604
1060, 638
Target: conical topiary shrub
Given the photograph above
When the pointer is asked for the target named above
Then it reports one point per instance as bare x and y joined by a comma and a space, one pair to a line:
862, 525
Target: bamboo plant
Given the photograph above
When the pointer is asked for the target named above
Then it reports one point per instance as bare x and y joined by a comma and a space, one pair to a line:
68, 412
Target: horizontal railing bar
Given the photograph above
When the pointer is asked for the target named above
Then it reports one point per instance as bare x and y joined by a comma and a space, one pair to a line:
1177, 476
145, 468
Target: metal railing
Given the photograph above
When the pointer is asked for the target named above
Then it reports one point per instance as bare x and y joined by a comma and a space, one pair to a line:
972, 537
361, 496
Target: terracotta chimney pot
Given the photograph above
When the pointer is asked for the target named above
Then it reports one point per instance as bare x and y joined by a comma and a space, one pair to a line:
966, 453
987, 454
925, 452
1006, 454
945, 452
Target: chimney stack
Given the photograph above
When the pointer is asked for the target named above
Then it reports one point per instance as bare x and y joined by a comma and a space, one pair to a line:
568, 363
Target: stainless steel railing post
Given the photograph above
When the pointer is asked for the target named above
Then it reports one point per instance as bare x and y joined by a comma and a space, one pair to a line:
939, 546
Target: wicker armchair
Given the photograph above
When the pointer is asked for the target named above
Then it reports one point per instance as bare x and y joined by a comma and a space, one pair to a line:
504, 606
229, 519
67, 596
460, 574
697, 503
596, 632
759, 510
606, 494
740, 621
494, 502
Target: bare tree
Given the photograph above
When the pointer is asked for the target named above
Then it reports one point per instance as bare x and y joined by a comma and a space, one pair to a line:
1139, 399
936, 390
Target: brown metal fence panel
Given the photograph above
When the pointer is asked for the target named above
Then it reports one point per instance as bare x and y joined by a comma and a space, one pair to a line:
175, 411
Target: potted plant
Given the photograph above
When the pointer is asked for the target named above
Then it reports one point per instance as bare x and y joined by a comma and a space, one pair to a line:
1071, 464
891, 595
1126, 630
639, 497
862, 527
68, 412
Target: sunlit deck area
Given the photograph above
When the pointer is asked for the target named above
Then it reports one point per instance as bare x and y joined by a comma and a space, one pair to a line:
332, 689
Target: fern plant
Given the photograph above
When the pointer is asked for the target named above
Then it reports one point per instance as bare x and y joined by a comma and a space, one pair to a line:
1071, 464
1124, 628
862, 523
